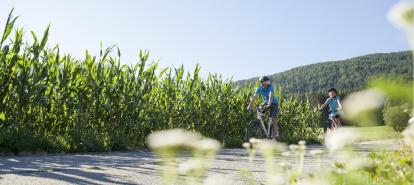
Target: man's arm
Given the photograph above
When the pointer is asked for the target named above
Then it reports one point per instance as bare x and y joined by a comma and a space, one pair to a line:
339, 105
324, 105
270, 99
251, 101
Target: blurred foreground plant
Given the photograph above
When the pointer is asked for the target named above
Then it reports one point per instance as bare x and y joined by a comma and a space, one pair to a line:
168, 144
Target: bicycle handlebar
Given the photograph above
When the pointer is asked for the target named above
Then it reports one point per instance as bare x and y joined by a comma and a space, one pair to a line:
259, 111
258, 108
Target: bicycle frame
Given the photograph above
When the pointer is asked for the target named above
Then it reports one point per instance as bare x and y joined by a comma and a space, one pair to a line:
334, 123
260, 117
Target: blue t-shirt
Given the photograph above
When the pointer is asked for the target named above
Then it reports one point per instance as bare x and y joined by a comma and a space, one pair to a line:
265, 93
333, 103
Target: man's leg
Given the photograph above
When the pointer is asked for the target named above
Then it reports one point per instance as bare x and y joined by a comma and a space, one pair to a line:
273, 114
338, 122
275, 128
333, 121
264, 111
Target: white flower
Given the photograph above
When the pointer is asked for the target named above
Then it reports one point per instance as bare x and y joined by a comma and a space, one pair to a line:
173, 138
316, 152
208, 144
254, 140
362, 101
411, 121
359, 163
190, 166
339, 138
266, 145
286, 154
247, 145
293, 147
402, 15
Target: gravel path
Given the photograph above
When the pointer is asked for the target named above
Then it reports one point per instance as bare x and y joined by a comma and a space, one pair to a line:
141, 167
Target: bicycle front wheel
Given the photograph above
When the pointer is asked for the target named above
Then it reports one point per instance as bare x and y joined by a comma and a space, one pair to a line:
254, 130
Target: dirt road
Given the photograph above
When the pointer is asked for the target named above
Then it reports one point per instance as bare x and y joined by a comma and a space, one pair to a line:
141, 167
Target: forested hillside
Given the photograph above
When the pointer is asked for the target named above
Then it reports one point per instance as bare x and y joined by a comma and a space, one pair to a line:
346, 75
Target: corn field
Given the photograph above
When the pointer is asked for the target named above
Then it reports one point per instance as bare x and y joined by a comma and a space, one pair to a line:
53, 102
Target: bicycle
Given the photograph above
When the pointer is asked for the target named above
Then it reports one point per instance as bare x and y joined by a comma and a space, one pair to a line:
330, 123
259, 128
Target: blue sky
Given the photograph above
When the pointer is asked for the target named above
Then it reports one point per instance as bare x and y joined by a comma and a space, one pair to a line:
236, 38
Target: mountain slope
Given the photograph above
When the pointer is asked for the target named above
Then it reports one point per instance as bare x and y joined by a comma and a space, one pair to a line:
345, 75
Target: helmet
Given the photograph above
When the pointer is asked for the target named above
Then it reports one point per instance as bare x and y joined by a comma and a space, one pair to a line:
333, 90
264, 79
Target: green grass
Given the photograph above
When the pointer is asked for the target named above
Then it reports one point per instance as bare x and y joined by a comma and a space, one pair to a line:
371, 133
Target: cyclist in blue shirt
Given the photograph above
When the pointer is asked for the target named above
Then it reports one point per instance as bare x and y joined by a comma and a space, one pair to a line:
270, 102
334, 106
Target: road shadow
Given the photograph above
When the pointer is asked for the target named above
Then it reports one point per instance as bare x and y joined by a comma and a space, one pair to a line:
76, 176
79, 168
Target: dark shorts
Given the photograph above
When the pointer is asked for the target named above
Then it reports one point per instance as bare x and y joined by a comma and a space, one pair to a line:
273, 110
333, 115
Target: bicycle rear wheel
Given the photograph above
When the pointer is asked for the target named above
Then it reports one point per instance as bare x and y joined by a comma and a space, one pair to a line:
254, 130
